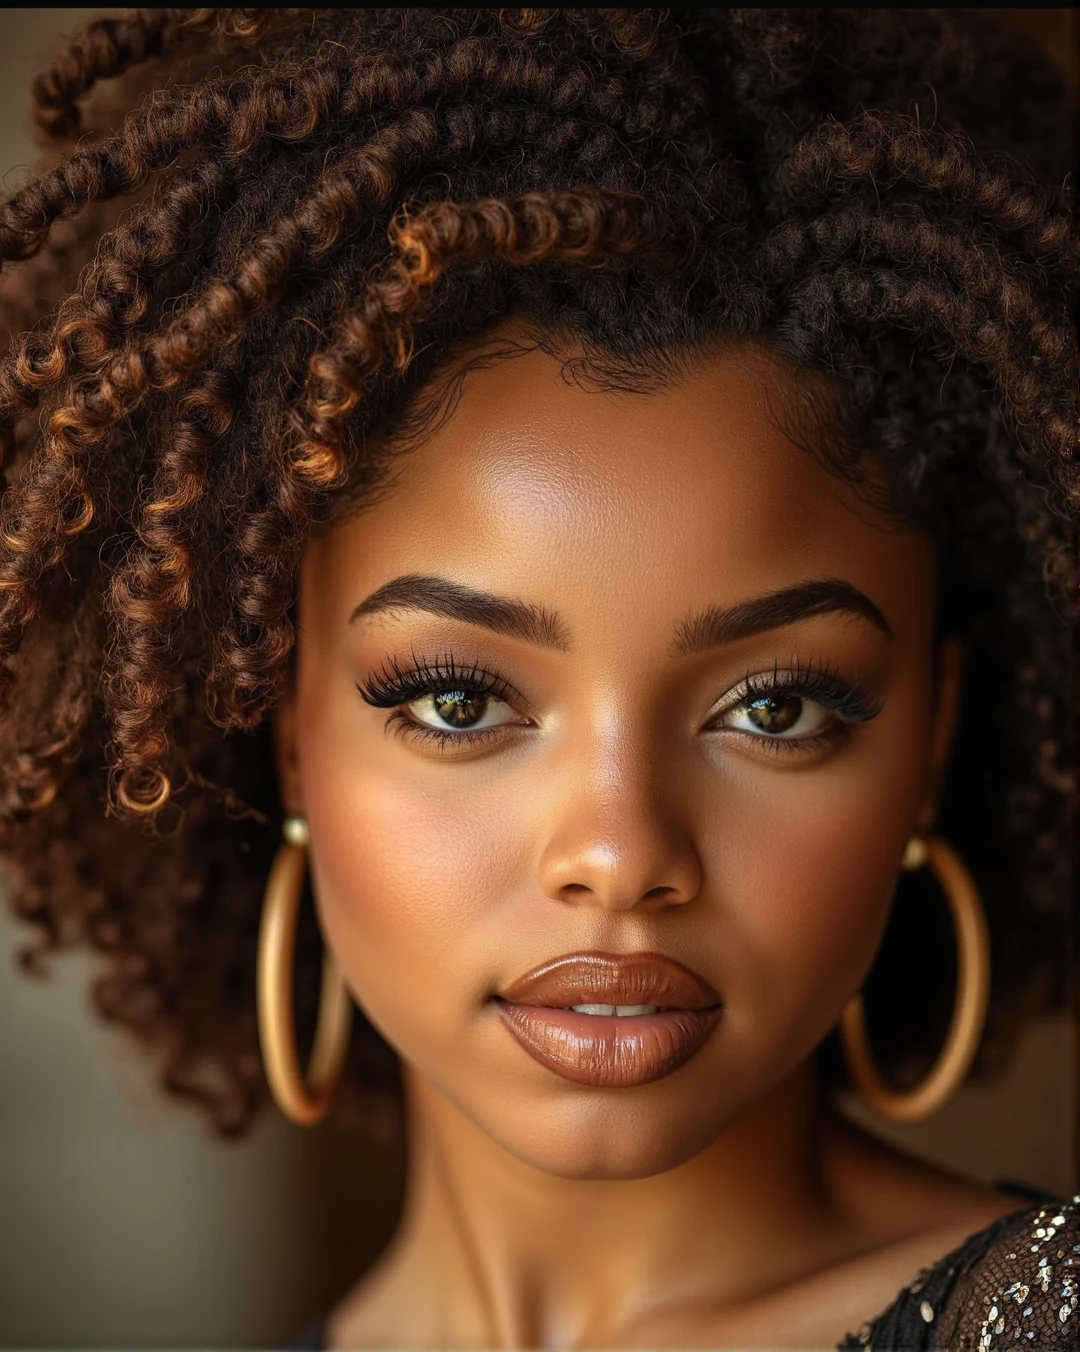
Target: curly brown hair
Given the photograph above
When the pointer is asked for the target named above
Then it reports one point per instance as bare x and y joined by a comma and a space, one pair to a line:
305, 216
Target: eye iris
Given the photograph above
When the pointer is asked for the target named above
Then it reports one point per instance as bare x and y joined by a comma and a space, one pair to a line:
775, 713
459, 708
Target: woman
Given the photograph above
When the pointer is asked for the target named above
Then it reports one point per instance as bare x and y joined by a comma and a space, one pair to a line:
612, 473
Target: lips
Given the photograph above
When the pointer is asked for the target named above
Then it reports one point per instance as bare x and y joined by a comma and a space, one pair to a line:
611, 1050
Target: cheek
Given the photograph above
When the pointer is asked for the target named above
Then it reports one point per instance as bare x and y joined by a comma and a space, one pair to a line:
811, 864
405, 885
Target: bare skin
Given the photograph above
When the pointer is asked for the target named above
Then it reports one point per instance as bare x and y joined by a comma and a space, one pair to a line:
624, 800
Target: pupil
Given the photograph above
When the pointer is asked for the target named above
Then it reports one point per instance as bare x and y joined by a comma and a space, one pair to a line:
775, 713
457, 708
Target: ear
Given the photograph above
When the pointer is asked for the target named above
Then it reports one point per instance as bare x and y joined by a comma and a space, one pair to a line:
950, 680
284, 731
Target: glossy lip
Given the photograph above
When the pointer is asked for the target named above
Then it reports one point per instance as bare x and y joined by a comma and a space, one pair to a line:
616, 1050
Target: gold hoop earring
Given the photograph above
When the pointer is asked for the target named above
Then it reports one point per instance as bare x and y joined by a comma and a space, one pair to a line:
969, 1009
304, 1103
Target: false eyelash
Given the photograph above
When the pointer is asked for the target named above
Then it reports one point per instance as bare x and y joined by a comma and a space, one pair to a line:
824, 685
428, 678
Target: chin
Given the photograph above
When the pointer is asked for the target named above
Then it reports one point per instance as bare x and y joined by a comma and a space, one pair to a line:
606, 1134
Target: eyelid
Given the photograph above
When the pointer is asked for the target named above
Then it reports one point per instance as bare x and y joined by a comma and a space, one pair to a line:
849, 701
425, 677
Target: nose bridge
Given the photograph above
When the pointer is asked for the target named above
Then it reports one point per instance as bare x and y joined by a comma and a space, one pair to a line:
616, 839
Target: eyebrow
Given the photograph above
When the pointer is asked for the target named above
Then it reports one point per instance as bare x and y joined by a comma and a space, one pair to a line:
710, 628
717, 625
441, 596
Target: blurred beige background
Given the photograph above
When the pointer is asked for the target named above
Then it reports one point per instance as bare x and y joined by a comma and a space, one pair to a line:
124, 1225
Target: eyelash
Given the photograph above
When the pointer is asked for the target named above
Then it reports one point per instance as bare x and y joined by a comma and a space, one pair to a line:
428, 679
823, 685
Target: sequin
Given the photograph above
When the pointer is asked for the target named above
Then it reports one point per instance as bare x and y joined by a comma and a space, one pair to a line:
994, 1296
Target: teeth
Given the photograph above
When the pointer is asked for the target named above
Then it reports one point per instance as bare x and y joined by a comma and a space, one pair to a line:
615, 1009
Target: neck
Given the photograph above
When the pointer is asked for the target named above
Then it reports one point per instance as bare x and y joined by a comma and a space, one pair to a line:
510, 1256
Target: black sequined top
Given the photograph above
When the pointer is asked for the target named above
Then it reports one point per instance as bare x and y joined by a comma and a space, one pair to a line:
1013, 1286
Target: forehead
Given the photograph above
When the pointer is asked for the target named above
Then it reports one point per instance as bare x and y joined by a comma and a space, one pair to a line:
553, 485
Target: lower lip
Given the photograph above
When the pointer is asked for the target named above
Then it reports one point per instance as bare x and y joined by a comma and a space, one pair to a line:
611, 1051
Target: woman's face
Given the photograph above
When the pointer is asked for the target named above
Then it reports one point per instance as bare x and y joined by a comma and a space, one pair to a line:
712, 732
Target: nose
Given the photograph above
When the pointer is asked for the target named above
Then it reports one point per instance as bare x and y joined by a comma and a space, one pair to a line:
620, 846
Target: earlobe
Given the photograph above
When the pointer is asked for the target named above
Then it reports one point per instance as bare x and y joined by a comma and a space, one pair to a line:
946, 717
283, 718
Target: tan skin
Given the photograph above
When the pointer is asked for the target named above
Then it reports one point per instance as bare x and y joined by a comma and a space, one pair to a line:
621, 802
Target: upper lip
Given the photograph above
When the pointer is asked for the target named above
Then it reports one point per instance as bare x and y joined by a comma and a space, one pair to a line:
612, 979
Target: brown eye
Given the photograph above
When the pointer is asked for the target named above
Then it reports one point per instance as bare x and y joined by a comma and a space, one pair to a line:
775, 713
462, 709
778, 715
457, 708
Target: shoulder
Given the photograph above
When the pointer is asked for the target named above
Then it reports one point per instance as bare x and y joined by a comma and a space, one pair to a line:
1023, 1287
1016, 1279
